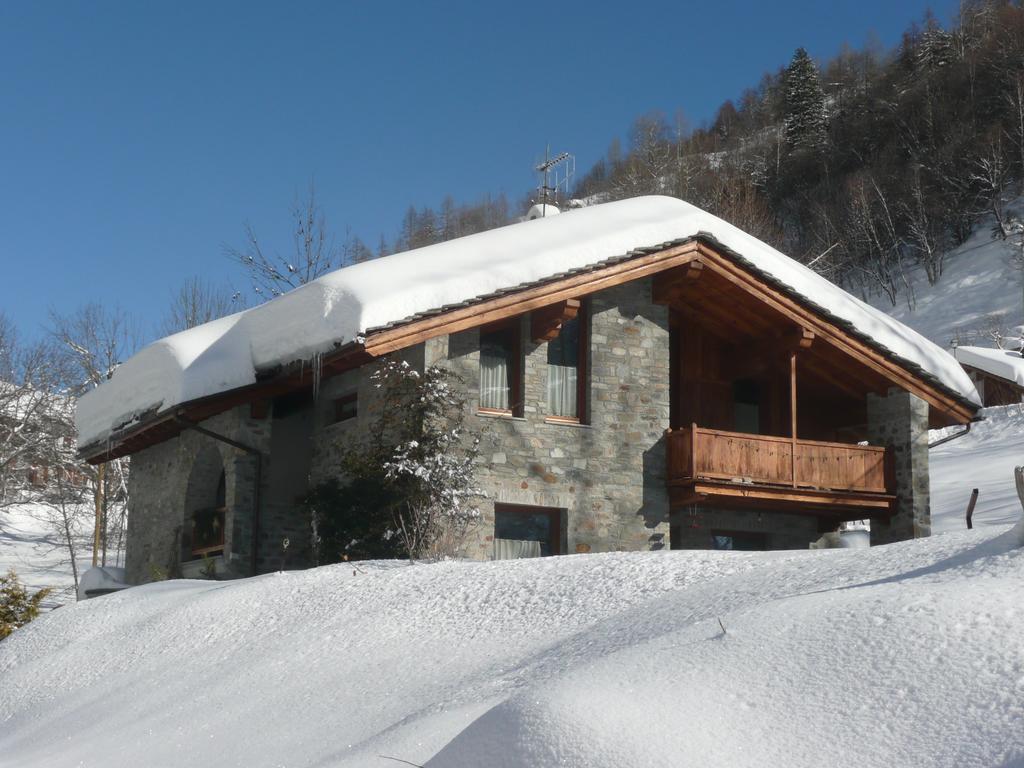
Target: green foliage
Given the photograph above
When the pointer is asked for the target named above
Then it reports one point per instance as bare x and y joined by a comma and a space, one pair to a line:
805, 126
354, 520
156, 573
408, 485
17, 606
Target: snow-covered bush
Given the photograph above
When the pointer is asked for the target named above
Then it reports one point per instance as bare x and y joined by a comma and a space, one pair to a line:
409, 487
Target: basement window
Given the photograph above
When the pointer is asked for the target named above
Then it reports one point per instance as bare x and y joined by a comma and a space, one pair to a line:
521, 531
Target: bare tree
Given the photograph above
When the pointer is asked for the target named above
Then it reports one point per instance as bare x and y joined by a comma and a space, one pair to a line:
991, 174
91, 343
925, 230
652, 161
197, 302
314, 252
875, 239
1015, 101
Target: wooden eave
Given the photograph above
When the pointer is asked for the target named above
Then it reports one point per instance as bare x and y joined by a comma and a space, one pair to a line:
703, 250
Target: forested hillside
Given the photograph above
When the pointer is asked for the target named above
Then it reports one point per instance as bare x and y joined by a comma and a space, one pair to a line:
872, 162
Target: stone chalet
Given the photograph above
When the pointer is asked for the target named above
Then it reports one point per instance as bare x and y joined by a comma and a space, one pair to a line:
648, 376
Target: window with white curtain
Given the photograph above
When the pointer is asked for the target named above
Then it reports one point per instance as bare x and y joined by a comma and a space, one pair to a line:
521, 531
499, 369
566, 371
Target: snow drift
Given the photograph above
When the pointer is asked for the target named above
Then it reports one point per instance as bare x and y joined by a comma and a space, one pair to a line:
904, 655
341, 306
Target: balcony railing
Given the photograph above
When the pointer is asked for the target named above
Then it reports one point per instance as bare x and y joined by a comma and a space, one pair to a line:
696, 453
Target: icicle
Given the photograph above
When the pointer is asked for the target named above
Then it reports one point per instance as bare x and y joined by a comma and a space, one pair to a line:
318, 368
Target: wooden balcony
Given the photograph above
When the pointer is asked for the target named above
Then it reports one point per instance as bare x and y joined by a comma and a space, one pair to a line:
710, 466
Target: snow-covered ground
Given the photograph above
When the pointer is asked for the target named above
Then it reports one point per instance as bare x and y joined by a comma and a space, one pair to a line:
905, 655
30, 545
984, 458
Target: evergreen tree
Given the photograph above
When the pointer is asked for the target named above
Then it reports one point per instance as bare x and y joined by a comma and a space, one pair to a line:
804, 122
17, 607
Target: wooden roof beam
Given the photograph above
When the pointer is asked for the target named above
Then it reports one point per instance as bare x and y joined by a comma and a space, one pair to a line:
668, 285
546, 322
834, 335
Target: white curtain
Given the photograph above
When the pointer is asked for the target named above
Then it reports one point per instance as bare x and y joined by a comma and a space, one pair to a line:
515, 549
494, 380
562, 390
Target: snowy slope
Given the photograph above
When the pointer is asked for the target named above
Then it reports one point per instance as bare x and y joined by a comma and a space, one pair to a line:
982, 459
977, 283
342, 305
29, 544
906, 655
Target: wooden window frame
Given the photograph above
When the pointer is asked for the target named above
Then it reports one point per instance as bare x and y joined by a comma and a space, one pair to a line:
515, 394
582, 372
554, 514
339, 405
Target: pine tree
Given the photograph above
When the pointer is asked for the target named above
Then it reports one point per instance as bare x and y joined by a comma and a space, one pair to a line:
17, 607
804, 123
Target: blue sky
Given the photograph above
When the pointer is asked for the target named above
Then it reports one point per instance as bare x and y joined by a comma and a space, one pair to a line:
137, 138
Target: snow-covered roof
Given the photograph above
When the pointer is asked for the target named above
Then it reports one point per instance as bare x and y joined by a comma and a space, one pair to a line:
344, 305
999, 362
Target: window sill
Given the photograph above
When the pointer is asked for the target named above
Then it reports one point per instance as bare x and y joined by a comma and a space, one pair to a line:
564, 422
499, 415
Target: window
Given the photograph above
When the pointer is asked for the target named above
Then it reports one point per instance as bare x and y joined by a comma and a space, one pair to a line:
346, 407
500, 366
208, 524
521, 531
567, 370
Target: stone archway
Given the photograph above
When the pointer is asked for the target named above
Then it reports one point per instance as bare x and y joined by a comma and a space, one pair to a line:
205, 517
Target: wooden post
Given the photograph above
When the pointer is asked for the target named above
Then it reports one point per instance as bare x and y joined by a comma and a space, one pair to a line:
970, 508
792, 410
98, 499
693, 450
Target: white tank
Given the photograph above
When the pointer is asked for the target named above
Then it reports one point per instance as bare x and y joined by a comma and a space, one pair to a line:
542, 210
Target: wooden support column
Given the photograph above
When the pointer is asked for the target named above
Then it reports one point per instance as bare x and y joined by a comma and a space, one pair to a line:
792, 409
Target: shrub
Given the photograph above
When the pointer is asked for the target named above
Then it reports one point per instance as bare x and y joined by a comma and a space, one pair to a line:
409, 486
17, 607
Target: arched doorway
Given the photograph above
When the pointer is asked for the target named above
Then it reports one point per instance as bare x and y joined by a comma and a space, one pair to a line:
206, 511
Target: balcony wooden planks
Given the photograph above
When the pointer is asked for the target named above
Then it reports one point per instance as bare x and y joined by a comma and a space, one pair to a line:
742, 460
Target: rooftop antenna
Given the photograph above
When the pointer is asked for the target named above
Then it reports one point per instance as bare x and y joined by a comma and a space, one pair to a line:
555, 175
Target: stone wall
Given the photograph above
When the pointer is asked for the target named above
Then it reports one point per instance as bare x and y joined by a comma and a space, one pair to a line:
159, 495
608, 474
900, 420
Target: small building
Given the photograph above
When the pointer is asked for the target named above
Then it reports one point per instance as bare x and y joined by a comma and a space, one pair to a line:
998, 374
649, 376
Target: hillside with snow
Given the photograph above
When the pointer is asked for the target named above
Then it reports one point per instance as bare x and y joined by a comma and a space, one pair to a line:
979, 289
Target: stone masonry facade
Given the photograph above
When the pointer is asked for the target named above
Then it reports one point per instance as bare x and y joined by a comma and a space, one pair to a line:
605, 475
